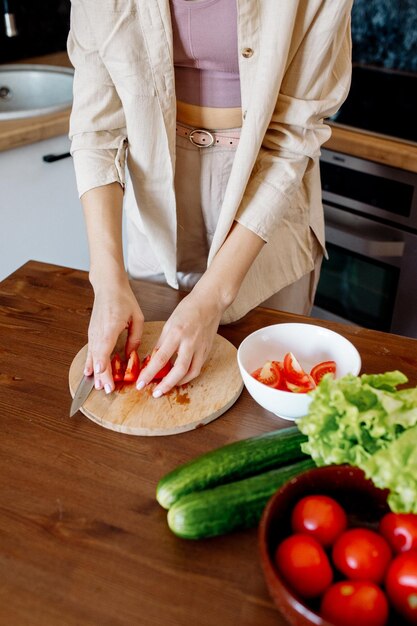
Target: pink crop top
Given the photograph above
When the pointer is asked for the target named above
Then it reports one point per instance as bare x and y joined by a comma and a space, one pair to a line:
206, 52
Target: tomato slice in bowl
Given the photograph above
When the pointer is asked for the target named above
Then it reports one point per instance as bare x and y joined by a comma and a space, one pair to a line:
294, 373
268, 374
319, 370
303, 386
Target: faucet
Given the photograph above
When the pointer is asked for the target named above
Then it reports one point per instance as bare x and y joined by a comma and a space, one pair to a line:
9, 19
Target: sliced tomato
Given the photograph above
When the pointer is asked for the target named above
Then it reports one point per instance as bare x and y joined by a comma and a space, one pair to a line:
117, 368
303, 386
132, 368
294, 373
163, 371
319, 370
268, 374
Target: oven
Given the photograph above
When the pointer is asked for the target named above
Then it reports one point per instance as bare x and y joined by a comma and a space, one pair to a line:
370, 277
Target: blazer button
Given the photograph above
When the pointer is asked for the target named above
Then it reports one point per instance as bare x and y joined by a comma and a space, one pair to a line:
247, 53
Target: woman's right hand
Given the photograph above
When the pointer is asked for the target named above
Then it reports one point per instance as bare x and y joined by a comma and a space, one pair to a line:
115, 309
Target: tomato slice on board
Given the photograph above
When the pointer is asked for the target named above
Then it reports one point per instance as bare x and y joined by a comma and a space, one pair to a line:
268, 374
282, 381
117, 368
162, 372
294, 373
319, 370
132, 368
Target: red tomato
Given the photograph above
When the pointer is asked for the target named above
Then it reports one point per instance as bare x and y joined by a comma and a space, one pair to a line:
304, 564
117, 368
319, 516
282, 382
132, 368
362, 554
355, 603
401, 584
400, 530
294, 373
162, 372
268, 374
303, 385
319, 370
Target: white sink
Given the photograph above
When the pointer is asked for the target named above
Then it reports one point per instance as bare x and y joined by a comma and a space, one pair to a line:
34, 90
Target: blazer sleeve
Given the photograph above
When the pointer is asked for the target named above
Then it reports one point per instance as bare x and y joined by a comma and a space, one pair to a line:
97, 123
315, 84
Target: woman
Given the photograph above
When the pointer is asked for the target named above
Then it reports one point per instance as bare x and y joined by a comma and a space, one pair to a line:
218, 106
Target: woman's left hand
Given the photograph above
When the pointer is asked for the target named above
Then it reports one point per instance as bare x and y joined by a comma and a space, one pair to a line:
188, 334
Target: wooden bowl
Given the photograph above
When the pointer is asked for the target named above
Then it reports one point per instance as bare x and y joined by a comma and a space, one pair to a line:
363, 503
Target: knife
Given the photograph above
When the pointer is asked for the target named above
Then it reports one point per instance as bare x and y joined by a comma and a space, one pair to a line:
82, 393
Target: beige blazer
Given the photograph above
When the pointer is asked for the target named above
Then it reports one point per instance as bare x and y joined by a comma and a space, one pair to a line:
295, 69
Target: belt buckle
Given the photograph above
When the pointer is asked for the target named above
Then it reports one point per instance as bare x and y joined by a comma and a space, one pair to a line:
204, 132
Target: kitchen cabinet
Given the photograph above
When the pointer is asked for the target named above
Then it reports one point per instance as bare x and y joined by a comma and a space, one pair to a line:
40, 213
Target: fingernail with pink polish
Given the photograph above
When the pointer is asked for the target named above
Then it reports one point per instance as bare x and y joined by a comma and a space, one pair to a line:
97, 368
140, 385
107, 388
157, 393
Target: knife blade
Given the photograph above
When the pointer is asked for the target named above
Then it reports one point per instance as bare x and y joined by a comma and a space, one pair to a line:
83, 391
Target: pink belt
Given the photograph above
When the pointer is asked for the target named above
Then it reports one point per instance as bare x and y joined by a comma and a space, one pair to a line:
206, 138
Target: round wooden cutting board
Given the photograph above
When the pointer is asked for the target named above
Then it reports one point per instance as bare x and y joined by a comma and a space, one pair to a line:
134, 412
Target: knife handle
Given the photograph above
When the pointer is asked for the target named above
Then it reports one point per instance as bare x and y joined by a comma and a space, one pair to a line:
51, 158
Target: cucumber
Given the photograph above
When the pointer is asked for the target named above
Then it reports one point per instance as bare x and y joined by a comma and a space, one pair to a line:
233, 506
231, 462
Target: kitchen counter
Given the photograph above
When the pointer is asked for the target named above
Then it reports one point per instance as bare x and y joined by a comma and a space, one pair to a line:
84, 541
376, 148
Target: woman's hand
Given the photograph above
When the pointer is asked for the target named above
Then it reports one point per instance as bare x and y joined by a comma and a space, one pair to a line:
114, 310
115, 306
188, 334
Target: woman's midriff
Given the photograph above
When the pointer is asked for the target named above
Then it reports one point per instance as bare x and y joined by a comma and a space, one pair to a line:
211, 118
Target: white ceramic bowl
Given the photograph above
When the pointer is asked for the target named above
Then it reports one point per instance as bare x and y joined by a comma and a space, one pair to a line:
310, 345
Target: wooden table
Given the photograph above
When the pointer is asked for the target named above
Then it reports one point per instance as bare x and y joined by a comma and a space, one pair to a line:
82, 538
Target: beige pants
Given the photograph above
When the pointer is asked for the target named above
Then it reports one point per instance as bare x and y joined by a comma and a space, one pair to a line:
201, 177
